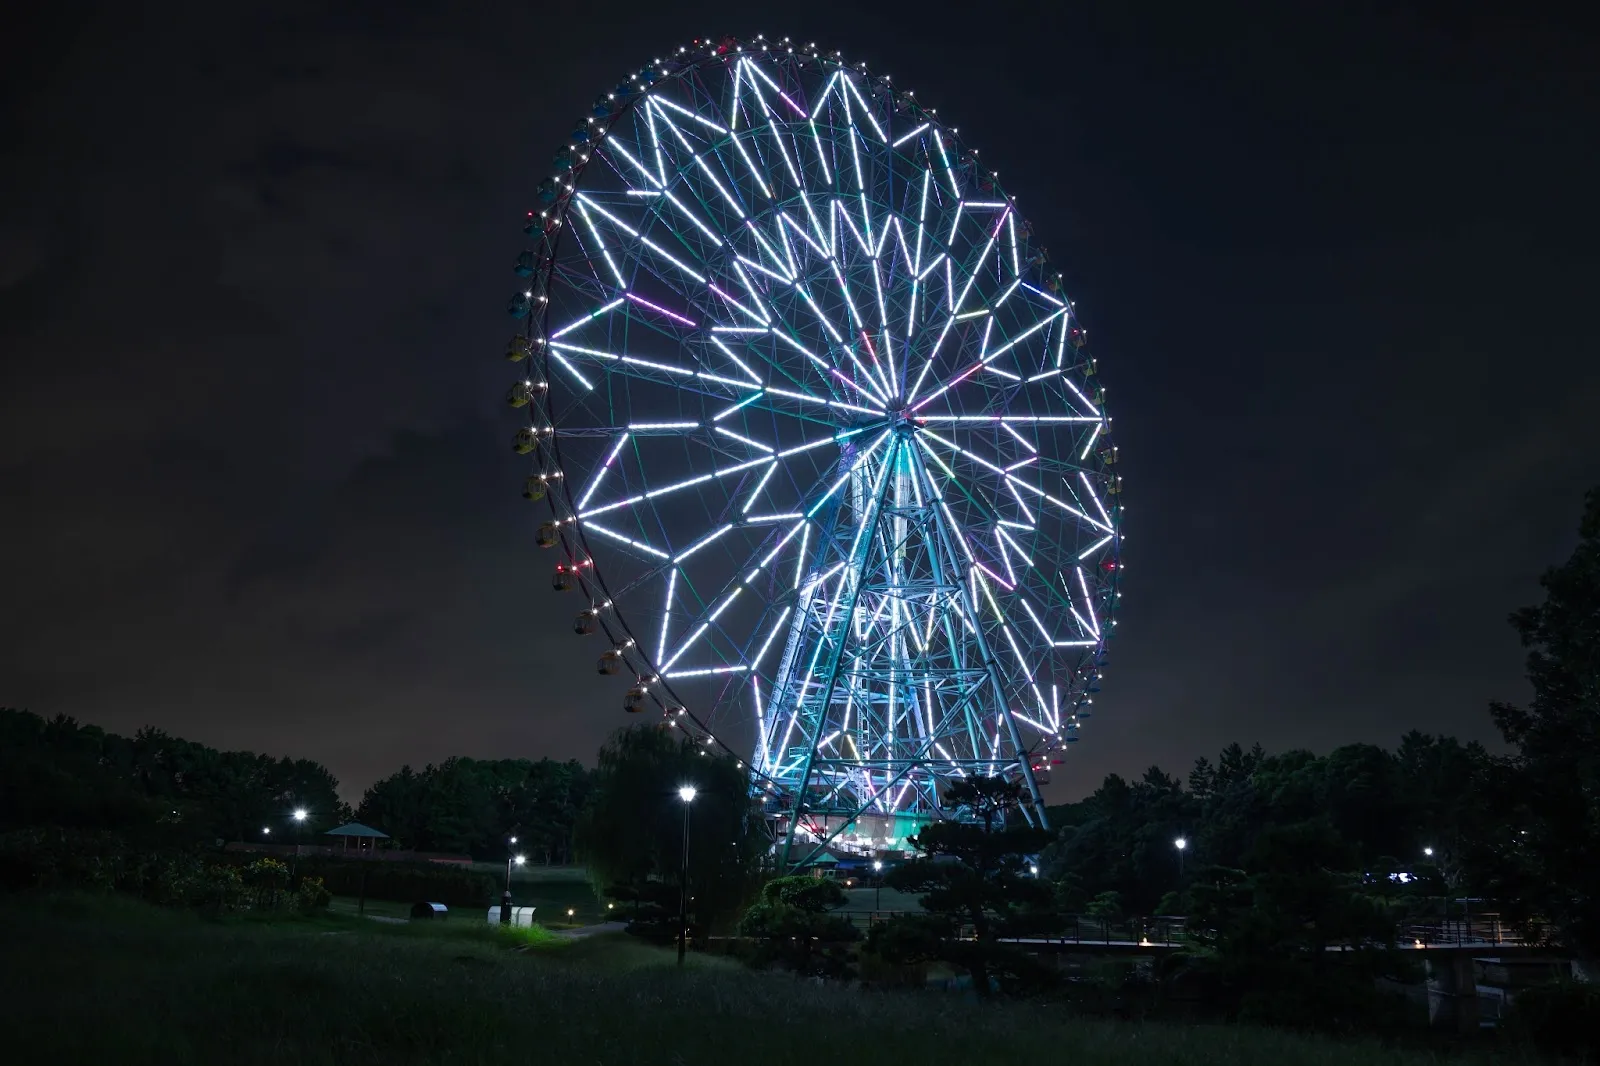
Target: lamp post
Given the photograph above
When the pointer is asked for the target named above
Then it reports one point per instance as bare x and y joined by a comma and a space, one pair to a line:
505, 898
686, 794
1182, 845
300, 815
877, 890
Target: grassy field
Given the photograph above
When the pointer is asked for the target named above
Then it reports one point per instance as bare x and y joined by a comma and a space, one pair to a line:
554, 890
107, 980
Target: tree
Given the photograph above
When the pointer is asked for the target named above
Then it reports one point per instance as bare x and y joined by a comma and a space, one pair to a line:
792, 921
475, 806
1260, 935
1549, 859
1121, 840
972, 871
57, 772
631, 834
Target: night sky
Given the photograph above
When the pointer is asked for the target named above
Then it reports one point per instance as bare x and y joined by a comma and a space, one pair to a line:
1339, 262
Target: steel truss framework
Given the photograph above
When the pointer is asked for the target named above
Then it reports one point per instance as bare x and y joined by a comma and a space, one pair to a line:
820, 438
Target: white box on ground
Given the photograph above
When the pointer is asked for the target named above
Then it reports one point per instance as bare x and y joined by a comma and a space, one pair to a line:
519, 915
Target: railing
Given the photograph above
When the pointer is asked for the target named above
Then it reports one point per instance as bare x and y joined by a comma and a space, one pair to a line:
324, 851
1478, 929
1163, 931
1167, 931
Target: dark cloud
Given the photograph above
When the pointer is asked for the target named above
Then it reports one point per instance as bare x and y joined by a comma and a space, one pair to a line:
253, 470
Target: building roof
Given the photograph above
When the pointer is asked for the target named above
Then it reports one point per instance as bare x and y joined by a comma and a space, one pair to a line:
822, 858
356, 829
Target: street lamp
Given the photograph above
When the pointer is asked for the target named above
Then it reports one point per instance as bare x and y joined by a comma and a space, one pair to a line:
1428, 852
686, 794
877, 892
300, 815
505, 899
1182, 845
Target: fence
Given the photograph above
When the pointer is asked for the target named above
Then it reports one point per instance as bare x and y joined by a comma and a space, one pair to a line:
1162, 930
322, 851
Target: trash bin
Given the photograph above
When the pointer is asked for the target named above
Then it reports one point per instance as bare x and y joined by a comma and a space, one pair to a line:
429, 910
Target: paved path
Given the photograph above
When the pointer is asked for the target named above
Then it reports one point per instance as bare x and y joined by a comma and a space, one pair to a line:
591, 930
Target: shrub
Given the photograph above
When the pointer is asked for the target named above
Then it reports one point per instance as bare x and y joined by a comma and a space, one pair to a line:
312, 895
813, 894
1562, 1018
266, 883
794, 928
188, 881
53, 858
405, 882
804, 941
56, 859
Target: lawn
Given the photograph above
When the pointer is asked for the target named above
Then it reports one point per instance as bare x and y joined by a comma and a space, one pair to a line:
553, 890
86, 979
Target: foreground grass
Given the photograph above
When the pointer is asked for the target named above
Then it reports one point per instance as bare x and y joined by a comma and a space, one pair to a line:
106, 980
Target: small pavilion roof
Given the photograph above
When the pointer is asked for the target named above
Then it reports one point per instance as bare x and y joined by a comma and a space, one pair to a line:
356, 829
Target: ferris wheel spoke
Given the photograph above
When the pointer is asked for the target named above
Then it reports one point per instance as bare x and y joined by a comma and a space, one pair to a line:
637, 545
627, 365
614, 147
678, 487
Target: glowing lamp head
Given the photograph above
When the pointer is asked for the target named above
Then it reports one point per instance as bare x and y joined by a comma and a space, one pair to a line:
877, 864
513, 840
1428, 852
687, 793
1180, 843
300, 814
519, 859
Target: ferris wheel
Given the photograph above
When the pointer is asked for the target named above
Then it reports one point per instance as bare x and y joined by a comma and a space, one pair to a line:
819, 448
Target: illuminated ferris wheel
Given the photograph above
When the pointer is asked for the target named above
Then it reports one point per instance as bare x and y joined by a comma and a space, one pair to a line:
825, 459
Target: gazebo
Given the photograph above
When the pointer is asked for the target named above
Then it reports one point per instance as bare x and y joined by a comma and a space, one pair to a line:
365, 836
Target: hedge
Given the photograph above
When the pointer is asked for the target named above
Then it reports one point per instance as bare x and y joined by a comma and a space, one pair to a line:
405, 882
56, 859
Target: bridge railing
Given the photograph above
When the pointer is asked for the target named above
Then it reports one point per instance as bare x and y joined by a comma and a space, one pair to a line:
1484, 929
1163, 930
